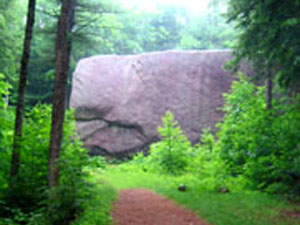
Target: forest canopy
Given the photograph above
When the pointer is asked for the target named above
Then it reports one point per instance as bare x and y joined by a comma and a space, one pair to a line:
107, 27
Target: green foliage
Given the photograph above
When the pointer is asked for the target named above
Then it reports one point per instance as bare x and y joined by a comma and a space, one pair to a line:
236, 208
11, 37
104, 27
259, 144
268, 36
208, 30
97, 209
253, 148
67, 199
170, 155
31, 182
29, 189
32, 218
97, 162
206, 164
25, 201
6, 134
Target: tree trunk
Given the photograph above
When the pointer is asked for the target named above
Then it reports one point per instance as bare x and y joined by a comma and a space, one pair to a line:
63, 50
269, 88
15, 161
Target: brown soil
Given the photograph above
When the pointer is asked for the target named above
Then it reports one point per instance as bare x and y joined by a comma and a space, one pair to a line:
294, 214
144, 207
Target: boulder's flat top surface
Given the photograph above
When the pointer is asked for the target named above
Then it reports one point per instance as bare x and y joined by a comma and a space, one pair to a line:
144, 207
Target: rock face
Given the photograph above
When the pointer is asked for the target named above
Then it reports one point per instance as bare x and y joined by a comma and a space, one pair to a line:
119, 100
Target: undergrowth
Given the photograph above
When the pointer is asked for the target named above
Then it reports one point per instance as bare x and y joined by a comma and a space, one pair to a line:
254, 148
96, 211
26, 199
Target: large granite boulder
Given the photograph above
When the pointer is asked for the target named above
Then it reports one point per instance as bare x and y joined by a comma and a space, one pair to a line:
119, 100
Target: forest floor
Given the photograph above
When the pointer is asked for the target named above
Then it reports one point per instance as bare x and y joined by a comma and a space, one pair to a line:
143, 198
140, 206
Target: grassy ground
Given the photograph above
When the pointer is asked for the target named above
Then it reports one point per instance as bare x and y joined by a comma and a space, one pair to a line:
240, 208
97, 209
235, 208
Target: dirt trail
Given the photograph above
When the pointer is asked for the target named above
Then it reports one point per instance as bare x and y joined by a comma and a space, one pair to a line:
145, 207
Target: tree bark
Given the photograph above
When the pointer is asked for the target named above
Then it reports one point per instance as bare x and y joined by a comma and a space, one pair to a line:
15, 160
269, 89
63, 51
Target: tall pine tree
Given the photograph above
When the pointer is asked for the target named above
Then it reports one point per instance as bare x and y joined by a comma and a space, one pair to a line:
15, 162
63, 51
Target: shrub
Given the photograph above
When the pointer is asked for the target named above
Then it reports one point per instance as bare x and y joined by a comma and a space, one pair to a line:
263, 145
67, 200
170, 155
6, 134
27, 201
253, 147
206, 163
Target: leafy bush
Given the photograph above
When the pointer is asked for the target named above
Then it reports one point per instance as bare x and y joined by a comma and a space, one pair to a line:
68, 198
31, 182
253, 148
263, 145
98, 162
206, 163
6, 133
170, 155
97, 210
29, 192
30, 189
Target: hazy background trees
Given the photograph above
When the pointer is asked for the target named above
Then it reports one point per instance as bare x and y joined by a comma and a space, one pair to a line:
104, 27
268, 36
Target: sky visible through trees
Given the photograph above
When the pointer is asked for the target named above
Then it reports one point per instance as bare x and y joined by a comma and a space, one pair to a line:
193, 6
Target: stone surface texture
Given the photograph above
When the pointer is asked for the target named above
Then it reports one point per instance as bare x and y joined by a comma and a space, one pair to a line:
119, 100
